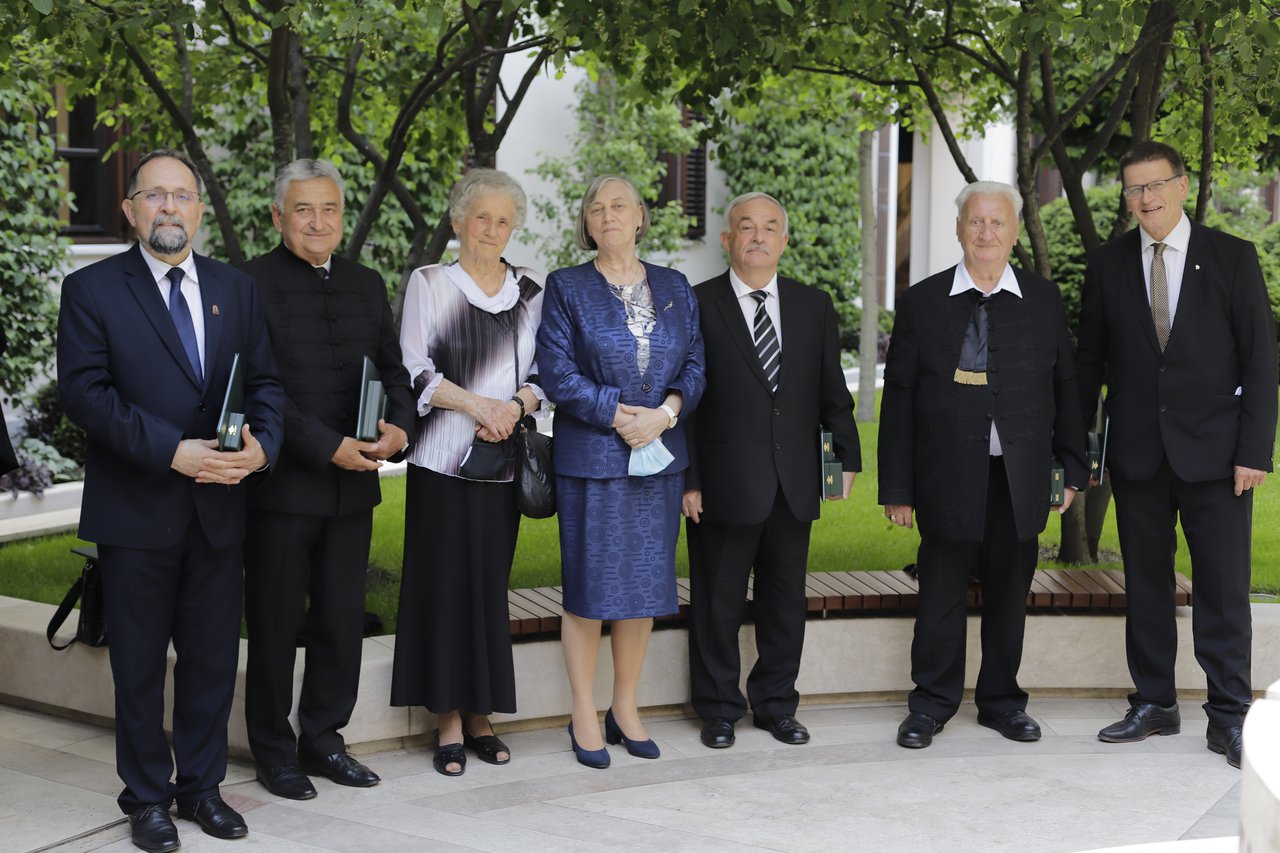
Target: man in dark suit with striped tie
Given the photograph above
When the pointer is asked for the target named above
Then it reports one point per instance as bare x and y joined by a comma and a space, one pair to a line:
1176, 321
754, 482
145, 345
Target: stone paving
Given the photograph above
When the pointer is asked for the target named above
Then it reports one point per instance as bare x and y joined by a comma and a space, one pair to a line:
851, 789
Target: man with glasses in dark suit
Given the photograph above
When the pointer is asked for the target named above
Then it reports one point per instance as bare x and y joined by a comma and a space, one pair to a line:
1176, 321
145, 345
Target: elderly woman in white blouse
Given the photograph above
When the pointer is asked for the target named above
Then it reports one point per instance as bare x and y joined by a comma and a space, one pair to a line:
468, 337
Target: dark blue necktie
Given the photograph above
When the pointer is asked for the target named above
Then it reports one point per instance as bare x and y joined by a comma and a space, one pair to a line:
182, 320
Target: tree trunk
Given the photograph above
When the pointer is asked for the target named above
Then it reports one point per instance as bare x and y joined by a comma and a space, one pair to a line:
869, 338
1208, 138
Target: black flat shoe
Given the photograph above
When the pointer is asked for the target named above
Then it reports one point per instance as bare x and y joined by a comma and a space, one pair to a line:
342, 769
215, 817
1014, 725
717, 733
151, 829
1228, 741
783, 727
917, 730
287, 781
449, 753
486, 747
1141, 721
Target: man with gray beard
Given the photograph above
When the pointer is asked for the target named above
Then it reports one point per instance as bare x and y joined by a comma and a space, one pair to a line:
146, 341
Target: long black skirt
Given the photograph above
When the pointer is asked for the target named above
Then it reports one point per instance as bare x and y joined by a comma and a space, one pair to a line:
453, 633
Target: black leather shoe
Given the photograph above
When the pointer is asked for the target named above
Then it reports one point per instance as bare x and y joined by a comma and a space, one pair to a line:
341, 768
1228, 741
717, 733
152, 829
1015, 725
1141, 721
917, 730
783, 727
215, 817
287, 781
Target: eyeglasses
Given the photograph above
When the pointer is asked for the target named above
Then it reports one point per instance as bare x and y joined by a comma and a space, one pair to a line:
1137, 190
157, 197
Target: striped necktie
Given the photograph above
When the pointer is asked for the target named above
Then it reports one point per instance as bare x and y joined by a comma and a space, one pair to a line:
182, 320
1159, 295
766, 340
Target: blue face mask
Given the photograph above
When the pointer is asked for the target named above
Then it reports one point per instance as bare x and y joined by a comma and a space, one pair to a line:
650, 459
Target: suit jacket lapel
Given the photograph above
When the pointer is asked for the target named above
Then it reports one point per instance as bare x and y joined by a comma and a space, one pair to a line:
731, 315
212, 295
1136, 284
1191, 289
143, 287
792, 324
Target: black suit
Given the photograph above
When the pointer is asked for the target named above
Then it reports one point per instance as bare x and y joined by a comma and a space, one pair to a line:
170, 549
1178, 426
976, 511
755, 457
310, 523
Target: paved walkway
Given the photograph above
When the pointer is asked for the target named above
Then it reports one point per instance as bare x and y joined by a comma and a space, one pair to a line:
850, 789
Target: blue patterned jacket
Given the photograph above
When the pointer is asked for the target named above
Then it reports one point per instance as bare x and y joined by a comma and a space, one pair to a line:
587, 366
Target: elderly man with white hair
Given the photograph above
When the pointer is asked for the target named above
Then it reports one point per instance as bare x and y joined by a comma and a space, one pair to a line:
979, 396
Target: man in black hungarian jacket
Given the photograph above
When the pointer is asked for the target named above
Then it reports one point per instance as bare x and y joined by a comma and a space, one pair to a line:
310, 523
979, 395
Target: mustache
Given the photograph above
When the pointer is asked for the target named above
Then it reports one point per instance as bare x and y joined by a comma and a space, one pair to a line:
166, 243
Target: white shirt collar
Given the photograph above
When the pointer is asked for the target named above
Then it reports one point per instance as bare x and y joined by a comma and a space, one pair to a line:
1178, 239
963, 282
160, 269
741, 288
507, 295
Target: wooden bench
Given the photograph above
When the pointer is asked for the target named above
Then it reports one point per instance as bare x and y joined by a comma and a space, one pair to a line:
536, 612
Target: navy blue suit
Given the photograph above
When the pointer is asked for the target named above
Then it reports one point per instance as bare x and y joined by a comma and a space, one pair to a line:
170, 548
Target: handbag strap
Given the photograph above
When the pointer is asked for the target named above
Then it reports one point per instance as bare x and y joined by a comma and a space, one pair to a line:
63, 611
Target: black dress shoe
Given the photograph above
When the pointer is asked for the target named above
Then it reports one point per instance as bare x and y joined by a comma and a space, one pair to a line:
1228, 741
341, 768
1141, 721
917, 730
1015, 725
783, 727
287, 781
717, 733
215, 817
152, 829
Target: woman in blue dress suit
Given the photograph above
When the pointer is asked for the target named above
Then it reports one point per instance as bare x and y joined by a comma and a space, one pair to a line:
620, 354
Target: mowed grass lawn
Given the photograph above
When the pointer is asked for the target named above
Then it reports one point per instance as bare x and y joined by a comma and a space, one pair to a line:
852, 535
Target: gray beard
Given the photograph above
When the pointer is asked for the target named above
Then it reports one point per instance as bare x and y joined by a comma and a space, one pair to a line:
163, 242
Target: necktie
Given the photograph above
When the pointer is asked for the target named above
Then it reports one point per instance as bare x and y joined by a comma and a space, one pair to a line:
1159, 296
182, 320
766, 340
321, 272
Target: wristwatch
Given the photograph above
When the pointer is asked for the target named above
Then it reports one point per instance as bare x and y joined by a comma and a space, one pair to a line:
671, 413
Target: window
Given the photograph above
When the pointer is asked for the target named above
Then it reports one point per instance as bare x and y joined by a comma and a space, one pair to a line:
686, 182
97, 184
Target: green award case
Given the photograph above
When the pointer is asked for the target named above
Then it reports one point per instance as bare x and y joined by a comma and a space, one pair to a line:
373, 402
831, 469
231, 418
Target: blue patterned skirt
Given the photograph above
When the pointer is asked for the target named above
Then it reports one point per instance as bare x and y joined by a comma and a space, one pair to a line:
618, 545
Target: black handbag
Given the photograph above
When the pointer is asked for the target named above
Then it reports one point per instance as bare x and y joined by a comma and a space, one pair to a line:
92, 627
487, 460
535, 479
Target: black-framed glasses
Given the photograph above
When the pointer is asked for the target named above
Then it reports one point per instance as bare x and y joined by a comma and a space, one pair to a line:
156, 197
1137, 190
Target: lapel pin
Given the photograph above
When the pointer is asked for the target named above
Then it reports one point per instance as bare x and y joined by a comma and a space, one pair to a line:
215, 311
1197, 266
668, 306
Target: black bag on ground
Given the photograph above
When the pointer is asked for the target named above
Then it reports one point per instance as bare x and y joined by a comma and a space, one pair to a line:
535, 479
92, 627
